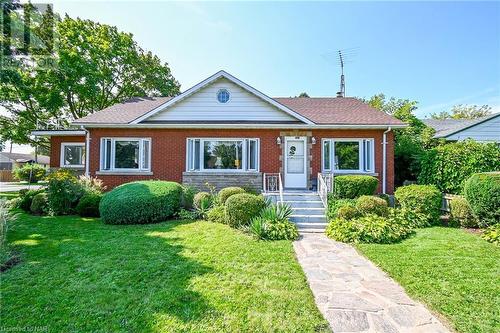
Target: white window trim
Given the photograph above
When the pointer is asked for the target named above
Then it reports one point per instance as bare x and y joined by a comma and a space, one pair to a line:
112, 168
72, 144
244, 161
361, 155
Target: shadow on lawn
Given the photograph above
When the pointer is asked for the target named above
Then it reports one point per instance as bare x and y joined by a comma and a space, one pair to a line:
130, 275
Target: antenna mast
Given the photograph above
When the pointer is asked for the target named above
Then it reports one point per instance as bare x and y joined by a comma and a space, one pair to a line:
341, 93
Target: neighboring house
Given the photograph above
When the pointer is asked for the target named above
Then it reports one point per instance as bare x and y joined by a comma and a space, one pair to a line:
10, 161
225, 132
484, 129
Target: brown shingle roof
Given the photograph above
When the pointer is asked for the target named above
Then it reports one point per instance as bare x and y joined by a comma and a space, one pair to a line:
345, 111
125, 112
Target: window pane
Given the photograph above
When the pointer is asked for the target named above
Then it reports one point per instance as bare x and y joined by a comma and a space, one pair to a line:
368, 155
197, 154
347, 155
252, 155
222, 154
107, 158
73, 155
326, 155
127, 154
145, 154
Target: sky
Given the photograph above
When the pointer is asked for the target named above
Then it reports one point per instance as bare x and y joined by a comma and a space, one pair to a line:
437, 53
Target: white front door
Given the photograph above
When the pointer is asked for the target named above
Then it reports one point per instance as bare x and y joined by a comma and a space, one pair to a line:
295, 162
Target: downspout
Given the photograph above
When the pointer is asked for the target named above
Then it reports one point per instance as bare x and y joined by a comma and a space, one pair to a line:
87, 150
384, 160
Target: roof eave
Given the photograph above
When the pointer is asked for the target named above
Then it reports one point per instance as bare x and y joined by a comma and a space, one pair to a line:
58, 133
249, 125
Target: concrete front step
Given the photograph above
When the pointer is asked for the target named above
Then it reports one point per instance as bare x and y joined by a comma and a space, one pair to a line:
308, 211
311, 225
308, 218
305, 204
301, 197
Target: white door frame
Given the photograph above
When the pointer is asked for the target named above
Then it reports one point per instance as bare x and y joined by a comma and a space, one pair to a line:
297, 182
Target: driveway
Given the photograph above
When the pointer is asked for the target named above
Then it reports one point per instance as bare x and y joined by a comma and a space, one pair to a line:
14, 187
356, 296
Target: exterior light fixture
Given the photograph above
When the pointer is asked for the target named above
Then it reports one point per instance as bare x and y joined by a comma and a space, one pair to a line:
313, 140
278, 140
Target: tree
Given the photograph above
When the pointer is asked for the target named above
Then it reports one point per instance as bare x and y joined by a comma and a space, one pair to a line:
93, 66
303, 94
462, 111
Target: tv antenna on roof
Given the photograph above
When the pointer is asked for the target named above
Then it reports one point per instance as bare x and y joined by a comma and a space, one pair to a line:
343, 57
341, 93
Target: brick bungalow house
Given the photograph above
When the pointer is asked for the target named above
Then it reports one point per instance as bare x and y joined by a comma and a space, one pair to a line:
225, 132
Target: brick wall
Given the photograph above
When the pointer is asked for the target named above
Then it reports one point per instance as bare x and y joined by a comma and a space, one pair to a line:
55, 148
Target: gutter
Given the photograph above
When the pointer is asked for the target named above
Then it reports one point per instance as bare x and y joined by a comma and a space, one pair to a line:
384, 160
87, 151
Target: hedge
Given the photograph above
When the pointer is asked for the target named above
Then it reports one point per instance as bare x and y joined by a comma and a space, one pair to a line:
39, 204
202, 199
140, 202
354, 186
461, 213
241, 208
369, 204
482, 191
448, 166
422, 199
225, 193
88, 206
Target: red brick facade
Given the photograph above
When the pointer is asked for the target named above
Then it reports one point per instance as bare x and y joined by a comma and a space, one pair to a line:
55, 148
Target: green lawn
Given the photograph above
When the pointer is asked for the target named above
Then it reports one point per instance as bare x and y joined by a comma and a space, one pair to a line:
79, 275
454, 272
9, 195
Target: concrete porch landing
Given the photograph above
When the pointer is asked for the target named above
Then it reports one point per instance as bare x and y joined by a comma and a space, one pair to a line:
356, 296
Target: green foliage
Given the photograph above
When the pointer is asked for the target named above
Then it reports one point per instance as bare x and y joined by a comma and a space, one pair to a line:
91, 184
461, 111
385, 197
335, 204
423, 199
39, 204
354, 186
241, 208
347, 213
482, 191
225, 193
273, 224
492, 234
461, 213
448, 166
369, 229
201, 198
88, 206
217, 214
184, 214
26, 198
64, 191
188, 193
30, 172
409, 217
141, 202
369, 204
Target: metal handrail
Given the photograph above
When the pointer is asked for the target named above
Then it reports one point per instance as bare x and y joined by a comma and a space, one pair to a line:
272, 183
280, 188
323, 190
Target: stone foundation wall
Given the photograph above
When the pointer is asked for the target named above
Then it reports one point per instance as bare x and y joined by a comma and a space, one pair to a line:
222, 179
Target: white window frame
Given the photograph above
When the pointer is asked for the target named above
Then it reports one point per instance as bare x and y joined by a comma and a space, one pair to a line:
72, 144
245, 155
112, 158
361, 150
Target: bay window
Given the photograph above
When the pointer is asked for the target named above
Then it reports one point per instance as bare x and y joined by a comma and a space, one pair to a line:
72, 155
125, 154
348, 155
222, 154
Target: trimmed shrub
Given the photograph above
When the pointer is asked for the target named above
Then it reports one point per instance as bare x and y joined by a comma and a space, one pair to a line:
492, 234
217, 214
369, 204
184, 214
448, 166
225, 193
88, 206
386, 198
423, 199
354, 186
461, 213
335, 204
27, 198
273, 224
30, 172
188, 193
409, 217
482, 191
347, 213
201, 198
64, 191
140, 202
39, 204
368, 229
241, 208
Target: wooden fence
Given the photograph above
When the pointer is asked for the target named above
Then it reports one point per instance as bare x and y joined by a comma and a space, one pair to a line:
6, 176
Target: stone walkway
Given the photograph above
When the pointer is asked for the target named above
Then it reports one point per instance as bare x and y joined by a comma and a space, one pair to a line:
356, 296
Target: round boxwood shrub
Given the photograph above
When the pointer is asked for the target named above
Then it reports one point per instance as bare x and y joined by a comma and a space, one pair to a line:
369, 204
216, 214
39, 204
26, 198
423, 199
225, 193
188, 193
202, 199
335, 204
354, 186
461, 213
88, 206
347, 213
147, 201
30, 172
241, 208
482, 191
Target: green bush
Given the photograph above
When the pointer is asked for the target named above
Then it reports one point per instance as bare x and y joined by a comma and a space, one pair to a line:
354, 186
348, 213
448, 166
30, 172
27, 198
273, 224
39, 204
423, 199
482, 191
461, 213
409, 217
188, 193
368, 229
64, 191
201, 198
139, 202
217, 214
335, 204
225, 193
88, 206
241, 208
492, 234
184, 214
369, 204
